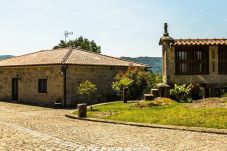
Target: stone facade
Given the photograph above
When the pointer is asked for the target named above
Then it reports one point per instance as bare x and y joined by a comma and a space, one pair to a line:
102, 76
28, 76
213, 78
28, 83
210, 79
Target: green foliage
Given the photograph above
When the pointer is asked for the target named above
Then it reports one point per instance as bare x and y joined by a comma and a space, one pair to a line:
154, 62
201, 92
140, 81
181, 92
122, 85
88, 89
124, 82
80, 42
155, 78
223, 92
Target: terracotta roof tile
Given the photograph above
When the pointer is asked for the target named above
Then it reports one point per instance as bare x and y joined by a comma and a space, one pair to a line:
200, 42
67, 56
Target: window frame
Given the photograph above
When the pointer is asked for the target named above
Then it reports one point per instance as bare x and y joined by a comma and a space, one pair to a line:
42, 85
188, 59
222, 60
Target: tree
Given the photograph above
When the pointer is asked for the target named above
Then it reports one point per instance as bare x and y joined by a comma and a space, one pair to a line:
80, 42
88, 89
143, 81
122, 86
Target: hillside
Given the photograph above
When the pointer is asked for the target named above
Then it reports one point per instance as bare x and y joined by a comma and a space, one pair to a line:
154, 62
5, 56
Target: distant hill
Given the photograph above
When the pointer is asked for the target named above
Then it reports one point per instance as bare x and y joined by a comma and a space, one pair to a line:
5, 56
154, 62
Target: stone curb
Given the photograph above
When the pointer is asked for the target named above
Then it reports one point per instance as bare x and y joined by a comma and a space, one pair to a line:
182, 128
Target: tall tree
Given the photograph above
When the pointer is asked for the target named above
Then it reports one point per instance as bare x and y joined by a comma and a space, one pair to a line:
80, 42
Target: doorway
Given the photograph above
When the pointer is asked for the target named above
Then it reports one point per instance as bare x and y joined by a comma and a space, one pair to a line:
15, 89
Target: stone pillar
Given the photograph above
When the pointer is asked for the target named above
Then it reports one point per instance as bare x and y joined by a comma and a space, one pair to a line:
165, 57
213, 60
82, 110
165, 41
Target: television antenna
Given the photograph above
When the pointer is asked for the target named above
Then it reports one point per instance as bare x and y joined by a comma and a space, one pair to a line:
67, 34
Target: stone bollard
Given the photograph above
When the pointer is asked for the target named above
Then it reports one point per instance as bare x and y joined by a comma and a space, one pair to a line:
155, 93
82, 110
148, 97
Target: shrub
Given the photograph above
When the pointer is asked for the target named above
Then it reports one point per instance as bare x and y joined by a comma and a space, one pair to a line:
197, 92
88, 89
122, 85
181, 93
223, 92
201, 92
143, 81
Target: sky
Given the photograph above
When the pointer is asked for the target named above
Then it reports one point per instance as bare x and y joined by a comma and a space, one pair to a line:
121, 27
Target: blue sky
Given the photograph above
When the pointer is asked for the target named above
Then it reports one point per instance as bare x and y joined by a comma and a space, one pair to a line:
121, 27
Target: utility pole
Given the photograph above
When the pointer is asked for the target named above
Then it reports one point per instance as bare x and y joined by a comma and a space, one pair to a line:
67, 34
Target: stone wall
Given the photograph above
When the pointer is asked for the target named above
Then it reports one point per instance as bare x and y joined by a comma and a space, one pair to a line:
213, 78
102, 76
28, 83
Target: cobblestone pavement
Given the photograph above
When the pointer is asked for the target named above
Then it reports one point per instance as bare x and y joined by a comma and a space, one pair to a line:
24, 127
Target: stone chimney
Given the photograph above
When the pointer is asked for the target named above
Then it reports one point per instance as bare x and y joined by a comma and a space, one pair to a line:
166, 42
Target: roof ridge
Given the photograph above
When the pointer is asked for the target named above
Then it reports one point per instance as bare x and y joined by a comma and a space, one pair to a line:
201, 39
67, 55
80, 49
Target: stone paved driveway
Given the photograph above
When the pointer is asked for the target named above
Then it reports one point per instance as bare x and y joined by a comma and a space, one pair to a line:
24, 127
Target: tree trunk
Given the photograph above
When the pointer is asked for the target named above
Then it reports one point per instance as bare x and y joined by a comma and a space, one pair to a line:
124, 95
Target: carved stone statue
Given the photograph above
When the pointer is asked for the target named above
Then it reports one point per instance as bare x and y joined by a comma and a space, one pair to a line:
165, 28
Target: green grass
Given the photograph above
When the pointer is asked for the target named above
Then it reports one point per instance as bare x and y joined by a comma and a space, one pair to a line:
172, 114
225, 94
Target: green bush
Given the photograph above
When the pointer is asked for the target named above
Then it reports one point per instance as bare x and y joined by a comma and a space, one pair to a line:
181, 93
142, 82
122, 86
88, 89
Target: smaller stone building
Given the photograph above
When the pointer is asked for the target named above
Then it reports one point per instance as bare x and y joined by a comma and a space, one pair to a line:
190, 61
50, 76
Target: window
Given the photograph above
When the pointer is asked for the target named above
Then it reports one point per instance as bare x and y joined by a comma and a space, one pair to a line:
191, 60
42, 85
222, 59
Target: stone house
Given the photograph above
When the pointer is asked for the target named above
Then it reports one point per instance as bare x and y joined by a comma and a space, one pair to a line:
50, 76
190, 61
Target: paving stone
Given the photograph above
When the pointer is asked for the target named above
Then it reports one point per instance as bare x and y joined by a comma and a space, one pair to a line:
24, 127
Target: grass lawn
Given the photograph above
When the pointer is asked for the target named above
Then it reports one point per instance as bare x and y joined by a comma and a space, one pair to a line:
172, 113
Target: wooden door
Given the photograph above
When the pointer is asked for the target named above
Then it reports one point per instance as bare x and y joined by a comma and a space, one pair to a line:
15, 89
